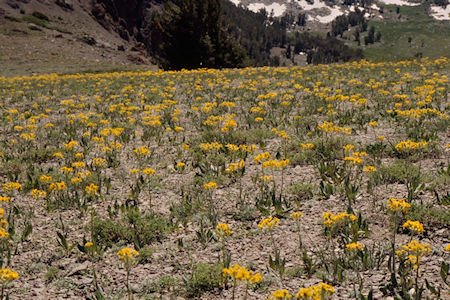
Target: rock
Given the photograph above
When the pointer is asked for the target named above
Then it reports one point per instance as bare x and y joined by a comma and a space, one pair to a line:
65, 4
77, 269
12, 4
88, 40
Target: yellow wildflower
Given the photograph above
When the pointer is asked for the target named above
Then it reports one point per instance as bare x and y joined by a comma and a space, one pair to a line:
369, 169
296, 215
222, 229
353, 246
8, 275
398, 205
210, 185
91, 189
148, 171
414, 226
280, 295
268, 222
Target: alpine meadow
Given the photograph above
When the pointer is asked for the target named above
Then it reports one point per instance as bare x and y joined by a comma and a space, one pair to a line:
189, 156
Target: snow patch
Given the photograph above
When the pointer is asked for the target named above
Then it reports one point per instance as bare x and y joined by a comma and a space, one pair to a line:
306, 6
318, 4
278, 9
399, 2
236, 2
440, 13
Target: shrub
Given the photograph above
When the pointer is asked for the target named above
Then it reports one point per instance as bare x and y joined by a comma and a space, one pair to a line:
205, 277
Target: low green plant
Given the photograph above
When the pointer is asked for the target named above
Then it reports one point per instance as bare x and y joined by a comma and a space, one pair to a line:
133, 227
204, 277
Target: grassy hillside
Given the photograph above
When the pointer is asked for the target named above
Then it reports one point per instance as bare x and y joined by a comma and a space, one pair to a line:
222, 184
430, 37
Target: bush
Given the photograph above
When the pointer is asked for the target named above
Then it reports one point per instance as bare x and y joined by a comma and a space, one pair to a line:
205, 277
135, 227
40, 16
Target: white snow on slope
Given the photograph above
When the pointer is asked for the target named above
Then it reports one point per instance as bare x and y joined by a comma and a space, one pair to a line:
306, 6
278, 9
320, 5
399, 2
236, 2
440, 13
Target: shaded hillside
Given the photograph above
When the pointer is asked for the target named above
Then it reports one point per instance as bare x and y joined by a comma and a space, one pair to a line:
60, 36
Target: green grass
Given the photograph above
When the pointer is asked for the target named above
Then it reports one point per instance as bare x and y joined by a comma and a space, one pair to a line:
429, 36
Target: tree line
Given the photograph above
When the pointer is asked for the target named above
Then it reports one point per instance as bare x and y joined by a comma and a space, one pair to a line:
216, 34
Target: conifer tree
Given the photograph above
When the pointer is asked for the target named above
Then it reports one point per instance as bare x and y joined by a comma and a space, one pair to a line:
188, 34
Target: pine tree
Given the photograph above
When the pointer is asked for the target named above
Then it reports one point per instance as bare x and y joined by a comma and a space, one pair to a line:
188, 34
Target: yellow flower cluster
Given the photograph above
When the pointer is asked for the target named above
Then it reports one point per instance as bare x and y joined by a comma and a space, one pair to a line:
111, 131
3, 223
369, 169
241, 273
70, 145
319, 291
8, 275
330, 127
275, 163
222, 229
210, 185
356, 157
414, 226
58, 155
58, 186
413, 252
127, 255
398, 205
353, 246
296, 215
245, 148
98, 161
281, 133
11, 187
38, 194
78, 164
280, 295
268, 222
142, 151
307, 146
211, 146
27, 136
148, 171
66, 169
419, 112
262, 157
228, 124
348, 147
233, 167
354, 160
265, 178
359, 154
180, 165
5, 199
329, 219
410, 145
91, 189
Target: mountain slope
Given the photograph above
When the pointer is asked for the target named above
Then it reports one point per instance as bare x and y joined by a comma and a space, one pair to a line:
64, 37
